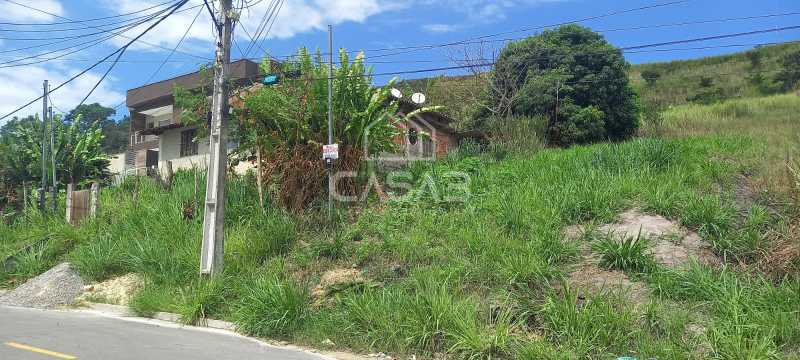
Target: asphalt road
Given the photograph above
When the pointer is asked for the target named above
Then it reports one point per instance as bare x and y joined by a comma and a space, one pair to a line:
29, 334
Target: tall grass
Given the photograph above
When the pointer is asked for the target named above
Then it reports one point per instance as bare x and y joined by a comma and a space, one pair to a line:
771, 122
473, 278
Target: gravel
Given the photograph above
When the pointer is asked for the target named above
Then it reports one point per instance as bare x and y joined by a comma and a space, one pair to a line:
58, 286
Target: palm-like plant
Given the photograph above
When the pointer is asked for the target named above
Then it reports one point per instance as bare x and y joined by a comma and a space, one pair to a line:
80, 154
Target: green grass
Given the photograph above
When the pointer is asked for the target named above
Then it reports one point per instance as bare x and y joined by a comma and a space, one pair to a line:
771, 121
478, 279
681, 79
627, 254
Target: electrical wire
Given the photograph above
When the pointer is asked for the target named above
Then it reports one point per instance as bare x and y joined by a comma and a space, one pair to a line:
121, 35
78, 21
118, 51
166, 59
76, 47
269, 15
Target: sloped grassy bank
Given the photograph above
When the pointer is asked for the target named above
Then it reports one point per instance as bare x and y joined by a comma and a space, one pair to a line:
478, 279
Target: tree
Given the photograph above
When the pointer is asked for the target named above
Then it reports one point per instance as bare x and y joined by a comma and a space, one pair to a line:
574, 77
789, 75
79, 154
651, 76
115, 133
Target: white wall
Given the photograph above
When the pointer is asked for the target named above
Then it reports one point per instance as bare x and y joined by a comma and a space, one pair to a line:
169, 144
117, 165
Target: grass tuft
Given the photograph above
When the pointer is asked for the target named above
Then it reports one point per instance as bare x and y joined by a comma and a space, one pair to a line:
626, 254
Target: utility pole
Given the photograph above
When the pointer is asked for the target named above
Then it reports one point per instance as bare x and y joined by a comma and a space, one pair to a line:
211, 258
42, 191
54, 189
329, 162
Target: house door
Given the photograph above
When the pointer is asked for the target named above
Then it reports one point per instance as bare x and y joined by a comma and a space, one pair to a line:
151, 162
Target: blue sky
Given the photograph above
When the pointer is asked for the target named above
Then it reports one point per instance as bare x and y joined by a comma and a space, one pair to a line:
358, 24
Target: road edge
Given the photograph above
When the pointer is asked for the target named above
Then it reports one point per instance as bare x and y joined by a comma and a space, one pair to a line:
209, 325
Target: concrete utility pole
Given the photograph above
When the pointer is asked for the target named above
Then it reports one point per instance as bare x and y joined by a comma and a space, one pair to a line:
329, 162
42, 191
211, 258
54, 189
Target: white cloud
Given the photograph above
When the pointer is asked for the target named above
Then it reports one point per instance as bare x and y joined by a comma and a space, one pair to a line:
439, 28
14, 12
296, 16
22, 84
486, 11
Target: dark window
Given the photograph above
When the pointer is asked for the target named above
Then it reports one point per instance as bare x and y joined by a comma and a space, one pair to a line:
412, 136
188, 145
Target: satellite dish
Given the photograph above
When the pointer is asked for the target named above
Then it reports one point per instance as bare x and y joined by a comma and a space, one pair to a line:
418, 98
396, 93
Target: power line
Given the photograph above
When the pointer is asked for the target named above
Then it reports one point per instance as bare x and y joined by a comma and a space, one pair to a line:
527, 29
84, 27
78, 21
166, 59
269, 15
118, 51
716, 37
76, 48
96, 27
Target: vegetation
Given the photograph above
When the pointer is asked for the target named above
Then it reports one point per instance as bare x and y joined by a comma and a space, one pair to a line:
746, 74
488, 275
78, 151
595, 101
115, 133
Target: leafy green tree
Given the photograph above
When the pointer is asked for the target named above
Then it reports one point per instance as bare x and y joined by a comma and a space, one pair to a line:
79, 153
115, 133
651, 76
573, 76
789, 75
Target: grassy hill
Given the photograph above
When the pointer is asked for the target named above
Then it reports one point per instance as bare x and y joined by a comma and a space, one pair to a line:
493, 275
731, 73
680, 80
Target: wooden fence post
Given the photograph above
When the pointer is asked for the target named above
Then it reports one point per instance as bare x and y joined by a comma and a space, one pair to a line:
95, 199
70, 187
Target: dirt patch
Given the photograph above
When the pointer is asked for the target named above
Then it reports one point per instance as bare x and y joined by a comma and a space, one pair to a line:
592, 279
58, 286
337, 280
117, 291
671, 245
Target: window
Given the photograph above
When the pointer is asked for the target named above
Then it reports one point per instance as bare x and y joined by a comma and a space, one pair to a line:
188, 145
412, 136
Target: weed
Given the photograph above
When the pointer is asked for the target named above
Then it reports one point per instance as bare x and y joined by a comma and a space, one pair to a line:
626, 254
472, 340
204, 299
272, 307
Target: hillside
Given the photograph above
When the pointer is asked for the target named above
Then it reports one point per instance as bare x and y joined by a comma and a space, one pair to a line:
731, 73
679, 80
510, 269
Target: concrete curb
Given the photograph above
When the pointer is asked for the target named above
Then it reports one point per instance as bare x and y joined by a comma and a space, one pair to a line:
124, 311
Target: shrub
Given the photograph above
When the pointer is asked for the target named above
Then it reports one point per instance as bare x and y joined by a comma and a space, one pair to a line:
585, 72
651, 76
789, 75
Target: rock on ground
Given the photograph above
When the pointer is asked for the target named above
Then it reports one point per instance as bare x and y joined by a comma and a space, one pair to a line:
117, 291
58, 286
337, 279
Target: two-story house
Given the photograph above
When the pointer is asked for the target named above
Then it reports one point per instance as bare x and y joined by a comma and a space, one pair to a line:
156, 133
